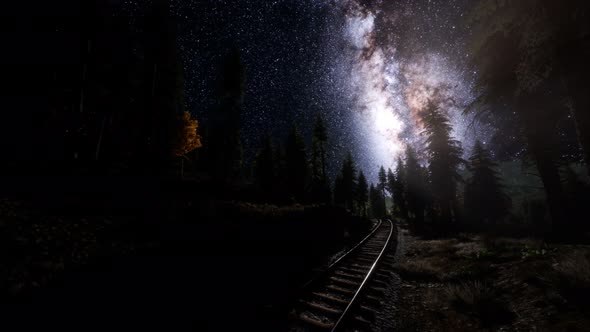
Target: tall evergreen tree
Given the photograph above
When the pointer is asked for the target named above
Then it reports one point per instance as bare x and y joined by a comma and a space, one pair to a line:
485, 201
526, 76
226, 149
376, 201
391, 188
382, 185
164, 87
265, 169
373, 201
296, 165
320, 138
362, 193
339, 199
348, 176
415, 187
444, 156
577, 194
319, 186
399, 189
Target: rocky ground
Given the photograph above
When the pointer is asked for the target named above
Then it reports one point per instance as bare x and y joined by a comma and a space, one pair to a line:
482, 283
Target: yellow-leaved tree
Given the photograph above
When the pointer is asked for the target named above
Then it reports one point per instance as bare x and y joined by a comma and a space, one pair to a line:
187, 138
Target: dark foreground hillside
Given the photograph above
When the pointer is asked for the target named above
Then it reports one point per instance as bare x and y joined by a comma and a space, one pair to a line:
166, 262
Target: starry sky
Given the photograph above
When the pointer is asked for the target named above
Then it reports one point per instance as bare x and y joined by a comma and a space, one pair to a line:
368, 66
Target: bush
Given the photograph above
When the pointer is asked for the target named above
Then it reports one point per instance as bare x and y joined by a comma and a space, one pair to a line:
571, 277
417, 269
478, 299
469, 294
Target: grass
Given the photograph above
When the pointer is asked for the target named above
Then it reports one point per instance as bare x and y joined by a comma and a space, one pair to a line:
417, 270
468, 294
570, 276
475, 282
478, 299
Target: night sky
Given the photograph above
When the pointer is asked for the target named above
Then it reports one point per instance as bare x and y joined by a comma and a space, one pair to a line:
367, 66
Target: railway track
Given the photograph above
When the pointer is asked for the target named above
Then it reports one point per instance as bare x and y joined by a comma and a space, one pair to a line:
346, 296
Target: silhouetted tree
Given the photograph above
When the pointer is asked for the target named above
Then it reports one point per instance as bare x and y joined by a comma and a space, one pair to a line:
281, 187
362, 193
399, 189
382, 185
265, 169
164, 85
296, 165
415, 187
320, 189
534, 72
345, 184
339, 198
374, 201
377, 202
577, 193
444, 156
391, 188
485, 201
544, 47
225, 150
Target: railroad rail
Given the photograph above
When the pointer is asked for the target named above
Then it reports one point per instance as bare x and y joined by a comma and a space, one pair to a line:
346, 296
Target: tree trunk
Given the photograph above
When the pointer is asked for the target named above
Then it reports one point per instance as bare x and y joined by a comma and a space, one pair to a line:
323, 156
447, 215
575, 69
582, 119
99, 141
550, 177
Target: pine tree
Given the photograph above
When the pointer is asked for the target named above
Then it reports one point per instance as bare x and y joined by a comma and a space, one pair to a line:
444, 156
320, 138
265, 169
382, 185
226, 149
339, 191
376, 201
348, 182
362, 193
164, 87
415, 187
391, 188
319, 186
485, 201
577, 196
296, 165
399, 189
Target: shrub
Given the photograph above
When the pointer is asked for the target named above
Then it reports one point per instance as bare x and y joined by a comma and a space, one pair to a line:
478, 299
416, 269
571, 277
468, 294
528, 252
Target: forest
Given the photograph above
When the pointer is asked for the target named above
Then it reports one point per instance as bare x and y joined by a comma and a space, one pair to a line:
127, 171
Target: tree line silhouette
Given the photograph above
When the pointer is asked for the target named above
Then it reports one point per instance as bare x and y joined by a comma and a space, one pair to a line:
108, 96
434, 188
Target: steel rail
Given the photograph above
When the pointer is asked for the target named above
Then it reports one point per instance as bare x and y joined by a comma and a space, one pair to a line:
345, 255
365, 280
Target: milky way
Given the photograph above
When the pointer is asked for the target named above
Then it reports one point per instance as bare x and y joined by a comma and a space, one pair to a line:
402, 57
368, 67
